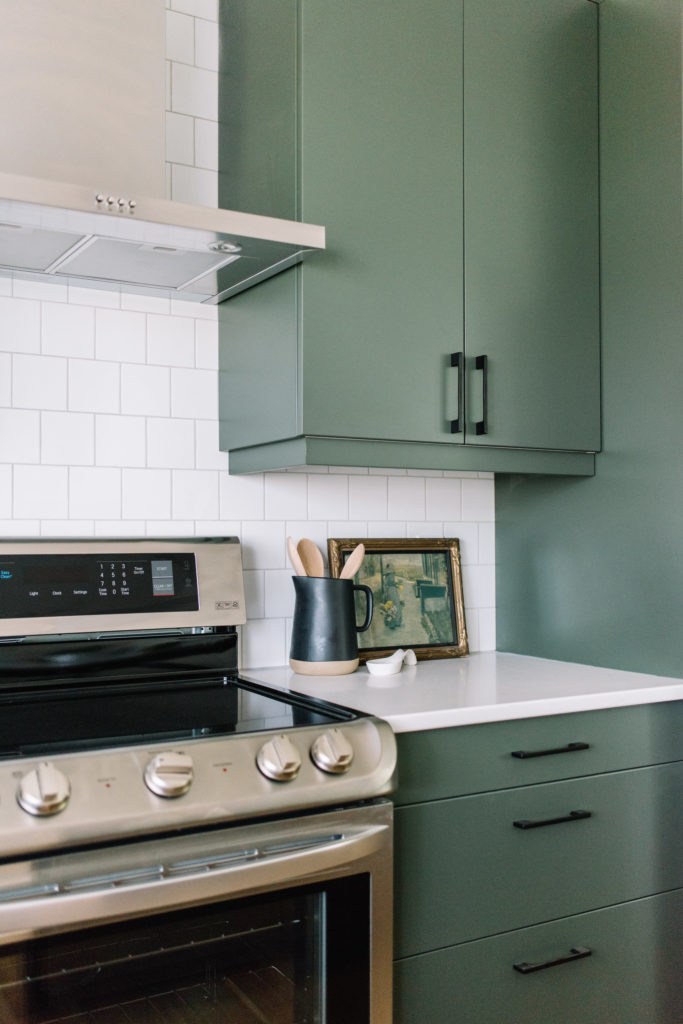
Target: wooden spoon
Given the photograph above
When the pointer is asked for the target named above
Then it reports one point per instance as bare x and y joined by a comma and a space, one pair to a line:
311, 557
297, 564
353, 563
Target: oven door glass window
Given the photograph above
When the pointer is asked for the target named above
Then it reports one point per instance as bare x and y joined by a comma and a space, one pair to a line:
297, 957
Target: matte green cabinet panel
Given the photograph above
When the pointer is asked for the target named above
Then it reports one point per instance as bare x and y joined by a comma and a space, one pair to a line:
633, 975
360, 354
443, 763
478, 873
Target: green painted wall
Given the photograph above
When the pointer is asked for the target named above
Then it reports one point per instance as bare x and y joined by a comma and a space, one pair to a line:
591, 570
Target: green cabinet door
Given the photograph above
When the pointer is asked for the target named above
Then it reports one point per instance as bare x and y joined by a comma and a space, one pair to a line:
632, 975
531, 223
351, 115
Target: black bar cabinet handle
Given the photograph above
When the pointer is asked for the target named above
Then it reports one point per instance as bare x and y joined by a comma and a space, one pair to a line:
552, 750
458, 360
576, 953
572, 816
482, 425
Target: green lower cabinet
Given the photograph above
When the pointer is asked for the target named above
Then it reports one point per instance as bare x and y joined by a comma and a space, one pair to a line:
503, 860
633, 975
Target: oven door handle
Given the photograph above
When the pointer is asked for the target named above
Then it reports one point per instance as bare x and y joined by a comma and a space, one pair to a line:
273, 864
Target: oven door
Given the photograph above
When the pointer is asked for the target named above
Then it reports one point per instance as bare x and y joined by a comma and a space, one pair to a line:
285, 922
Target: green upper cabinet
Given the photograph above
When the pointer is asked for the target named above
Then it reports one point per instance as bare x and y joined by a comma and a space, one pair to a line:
450, 149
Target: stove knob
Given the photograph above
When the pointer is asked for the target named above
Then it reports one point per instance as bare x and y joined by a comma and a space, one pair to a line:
278, 759
332, 752
169, 774
45, 790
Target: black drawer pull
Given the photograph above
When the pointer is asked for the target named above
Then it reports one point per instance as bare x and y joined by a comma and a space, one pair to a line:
458, 360
572, 816
570, 747
576, 953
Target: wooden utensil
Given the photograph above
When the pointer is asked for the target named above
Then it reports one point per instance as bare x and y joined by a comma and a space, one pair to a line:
294, 558
311, 557
353, 563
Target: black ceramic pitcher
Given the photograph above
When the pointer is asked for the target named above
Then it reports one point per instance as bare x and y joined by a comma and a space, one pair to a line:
324, 641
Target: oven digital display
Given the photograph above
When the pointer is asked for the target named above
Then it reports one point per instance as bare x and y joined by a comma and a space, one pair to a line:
93, 584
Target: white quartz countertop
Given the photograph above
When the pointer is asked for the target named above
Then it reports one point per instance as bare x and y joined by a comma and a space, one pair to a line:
486, 687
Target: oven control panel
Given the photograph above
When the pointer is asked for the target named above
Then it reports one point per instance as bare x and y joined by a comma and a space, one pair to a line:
94, 796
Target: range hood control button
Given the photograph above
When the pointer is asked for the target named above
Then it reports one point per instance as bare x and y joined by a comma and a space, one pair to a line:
332, 752
44, 791
169, 774
279, 759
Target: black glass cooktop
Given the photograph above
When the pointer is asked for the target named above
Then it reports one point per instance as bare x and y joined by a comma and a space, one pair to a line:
54, 720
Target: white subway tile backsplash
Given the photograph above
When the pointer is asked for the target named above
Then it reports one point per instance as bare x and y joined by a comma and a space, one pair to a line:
443, 498
146, 494
368, 497
194, 91
206, 44
468, 535
179, 138
180, 37
406, 497
206, 144
263, 643
478, 499
206, 344
68, 330
145, 390
94, 493
318, 532
479, 585
93, 386
120, 335
143, 303
328, 497
170, 340
39, 382
208, 454
195, 494
5, 492
279, 593
19, 435
197, 8
67, 528
5, 378
106, 297
41, 492
119, 528
170, 443
487, 543
67, 438
194, 185
286, 495
5, 283
424, 528
20, 528
120, 440
38, 288
254, 593
241, 497
263, 545
194, 394
387, 529
19, 325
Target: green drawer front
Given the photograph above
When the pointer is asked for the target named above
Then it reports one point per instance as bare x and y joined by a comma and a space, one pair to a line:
633, 975
463, 870
441, 763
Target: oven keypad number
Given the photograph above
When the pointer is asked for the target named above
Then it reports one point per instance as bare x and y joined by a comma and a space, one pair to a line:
332, 752
43, 791
169, 774
279, 759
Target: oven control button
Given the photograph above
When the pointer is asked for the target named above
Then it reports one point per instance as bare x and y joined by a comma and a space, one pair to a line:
332, 752
278, 759
45, 790
169, 774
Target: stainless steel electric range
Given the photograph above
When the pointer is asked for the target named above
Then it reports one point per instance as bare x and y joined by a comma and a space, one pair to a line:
178, 842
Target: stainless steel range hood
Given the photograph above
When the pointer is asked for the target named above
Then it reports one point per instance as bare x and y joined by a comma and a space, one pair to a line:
87, 88
197, 253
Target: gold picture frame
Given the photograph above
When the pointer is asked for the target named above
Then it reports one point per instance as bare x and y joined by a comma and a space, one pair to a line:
417, 590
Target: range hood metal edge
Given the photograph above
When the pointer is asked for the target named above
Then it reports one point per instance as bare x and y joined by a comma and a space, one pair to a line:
157, 246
